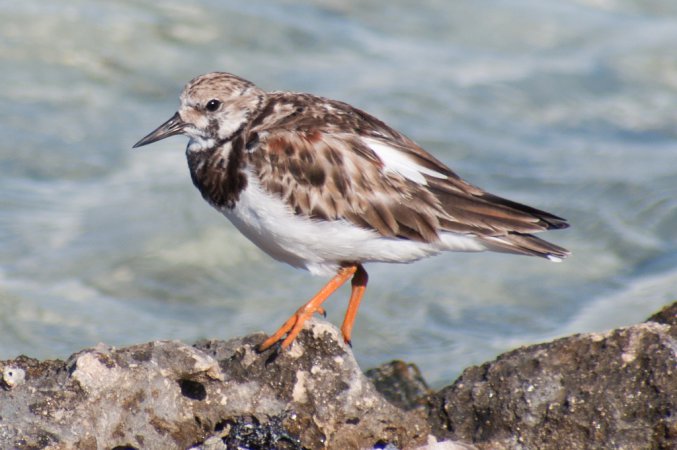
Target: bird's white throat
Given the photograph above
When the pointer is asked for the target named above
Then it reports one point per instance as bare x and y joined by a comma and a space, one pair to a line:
197, 144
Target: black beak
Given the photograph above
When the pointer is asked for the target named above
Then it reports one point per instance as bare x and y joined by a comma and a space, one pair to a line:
171, 127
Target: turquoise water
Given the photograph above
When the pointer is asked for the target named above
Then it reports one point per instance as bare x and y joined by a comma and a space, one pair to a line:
569, 106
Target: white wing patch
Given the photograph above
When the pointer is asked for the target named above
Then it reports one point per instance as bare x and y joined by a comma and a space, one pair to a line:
397, 161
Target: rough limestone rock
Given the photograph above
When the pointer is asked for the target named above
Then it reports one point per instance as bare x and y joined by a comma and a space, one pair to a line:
615, 390
610, 390
214, 395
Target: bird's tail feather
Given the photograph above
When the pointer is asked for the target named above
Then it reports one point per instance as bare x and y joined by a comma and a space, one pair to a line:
525, 244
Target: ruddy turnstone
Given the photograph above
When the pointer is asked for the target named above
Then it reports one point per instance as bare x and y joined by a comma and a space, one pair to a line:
326, 187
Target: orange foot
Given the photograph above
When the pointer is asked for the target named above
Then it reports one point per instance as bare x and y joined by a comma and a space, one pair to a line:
293, 326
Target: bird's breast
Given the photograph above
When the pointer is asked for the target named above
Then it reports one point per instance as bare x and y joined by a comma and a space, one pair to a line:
218, 173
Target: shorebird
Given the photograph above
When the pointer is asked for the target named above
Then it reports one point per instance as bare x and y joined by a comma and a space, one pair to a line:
327, 187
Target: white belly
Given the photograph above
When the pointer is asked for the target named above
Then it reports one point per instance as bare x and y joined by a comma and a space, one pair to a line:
321, 246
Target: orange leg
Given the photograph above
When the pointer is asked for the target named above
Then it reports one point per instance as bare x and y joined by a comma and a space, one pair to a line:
292, 327
359, 286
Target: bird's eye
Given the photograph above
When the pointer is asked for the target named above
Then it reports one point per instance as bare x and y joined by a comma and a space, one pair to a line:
213, 105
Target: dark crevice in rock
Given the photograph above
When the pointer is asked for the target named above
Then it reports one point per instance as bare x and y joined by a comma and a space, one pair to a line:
193, 389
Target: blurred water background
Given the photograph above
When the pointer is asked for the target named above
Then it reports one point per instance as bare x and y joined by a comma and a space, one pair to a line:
567, 105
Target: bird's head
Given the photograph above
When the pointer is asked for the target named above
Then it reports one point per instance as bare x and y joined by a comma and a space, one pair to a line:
213, 108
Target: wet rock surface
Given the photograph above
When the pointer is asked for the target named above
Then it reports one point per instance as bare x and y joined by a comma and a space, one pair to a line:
606, 390
602, 390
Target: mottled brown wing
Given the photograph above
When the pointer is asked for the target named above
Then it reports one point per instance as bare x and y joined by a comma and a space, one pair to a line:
334, 176
466, 204
312, 153
501, 224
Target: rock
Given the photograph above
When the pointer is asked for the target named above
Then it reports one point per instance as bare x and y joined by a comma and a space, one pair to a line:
213, 395
401, 384
667, 315
610, 390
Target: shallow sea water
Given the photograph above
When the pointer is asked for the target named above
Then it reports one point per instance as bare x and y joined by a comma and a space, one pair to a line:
569, 106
